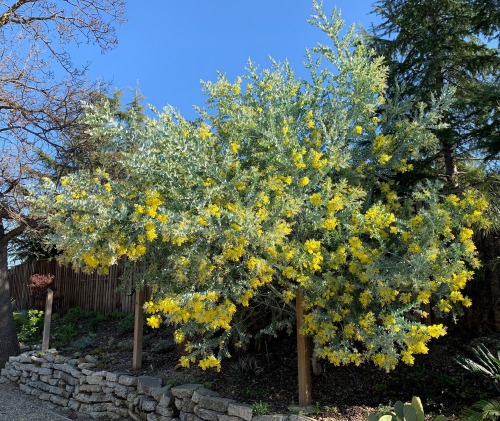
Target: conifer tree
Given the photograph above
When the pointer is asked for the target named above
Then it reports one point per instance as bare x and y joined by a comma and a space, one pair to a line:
432, 46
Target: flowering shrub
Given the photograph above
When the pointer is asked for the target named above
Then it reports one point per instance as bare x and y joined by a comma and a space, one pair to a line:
283, 185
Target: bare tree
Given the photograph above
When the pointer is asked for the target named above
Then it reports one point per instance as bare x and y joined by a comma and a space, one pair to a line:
41, 94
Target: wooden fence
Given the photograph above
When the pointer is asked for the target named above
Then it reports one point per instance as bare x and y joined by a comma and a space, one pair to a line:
91, 292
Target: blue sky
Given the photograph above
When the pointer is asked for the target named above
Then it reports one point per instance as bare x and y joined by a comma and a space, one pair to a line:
167, 46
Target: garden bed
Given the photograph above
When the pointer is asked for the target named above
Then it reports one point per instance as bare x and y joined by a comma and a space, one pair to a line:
266, 373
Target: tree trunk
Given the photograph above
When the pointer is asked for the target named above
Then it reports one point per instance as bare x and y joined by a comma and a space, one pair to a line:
303, 356
9, 345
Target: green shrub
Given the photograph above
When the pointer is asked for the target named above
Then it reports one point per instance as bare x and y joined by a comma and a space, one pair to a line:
73, 316
29, 325
126, 325
260, 408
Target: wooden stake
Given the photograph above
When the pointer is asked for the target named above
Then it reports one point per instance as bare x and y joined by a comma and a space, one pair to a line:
138, 328
48, 317
303, 355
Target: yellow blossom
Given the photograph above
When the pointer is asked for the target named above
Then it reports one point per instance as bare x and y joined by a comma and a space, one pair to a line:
316, 199
304, 181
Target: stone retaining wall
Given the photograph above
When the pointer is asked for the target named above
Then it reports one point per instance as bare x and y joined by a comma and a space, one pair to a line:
71, 383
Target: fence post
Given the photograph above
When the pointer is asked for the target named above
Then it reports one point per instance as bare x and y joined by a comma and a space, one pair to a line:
303, 355
138, 328
48, 317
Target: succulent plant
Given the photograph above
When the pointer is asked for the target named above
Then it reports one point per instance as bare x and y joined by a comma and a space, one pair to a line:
413, 411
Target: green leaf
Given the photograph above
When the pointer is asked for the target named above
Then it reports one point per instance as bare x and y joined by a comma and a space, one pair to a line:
416, 403
399, 409
410, 413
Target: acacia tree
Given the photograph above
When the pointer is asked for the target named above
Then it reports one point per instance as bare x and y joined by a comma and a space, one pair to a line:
41, 93
282, 187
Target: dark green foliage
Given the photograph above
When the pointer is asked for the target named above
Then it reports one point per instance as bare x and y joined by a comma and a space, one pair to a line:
30, 247
434, 45
483, 410
486, 364
126, 325
77, 322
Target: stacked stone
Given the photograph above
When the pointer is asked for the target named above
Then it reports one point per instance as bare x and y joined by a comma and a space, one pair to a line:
71, 383
49, 376
196, 403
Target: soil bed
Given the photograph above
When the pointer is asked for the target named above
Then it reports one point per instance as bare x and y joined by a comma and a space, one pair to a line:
268, 373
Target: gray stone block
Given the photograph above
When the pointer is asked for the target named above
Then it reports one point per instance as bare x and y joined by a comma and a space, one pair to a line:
91, 407
82, 397
59, 359
127, 380
166, 400
207, 414
241, 410
277, 417
108, 390
93, 380
104, 415
185, 391
147, 384
37, 360
223, 417
166, 412
90, 388
73, 404
86, 366
44, 396
43, 371
186, 417
162, 392
121, 391
70, 369
26, 389
134, 416
131, 396
42, 386
91, 359
147, 404
112, 377
214, 403
202, 391
57, 390
47, 365
59, 400
100, 397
